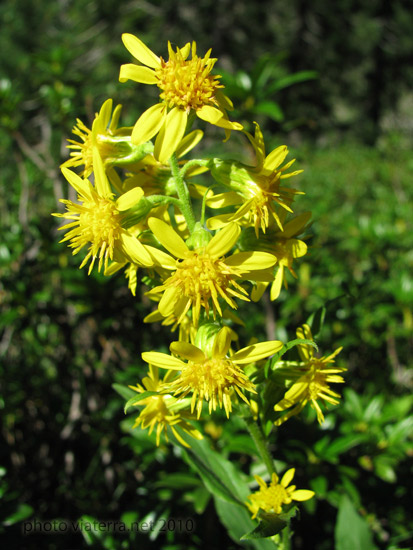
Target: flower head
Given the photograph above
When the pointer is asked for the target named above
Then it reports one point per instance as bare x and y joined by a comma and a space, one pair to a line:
98, 221
258, 187
312, 384
162, 410
215, 377
105, 124
285, 246
204, 276
187, 86
272, 497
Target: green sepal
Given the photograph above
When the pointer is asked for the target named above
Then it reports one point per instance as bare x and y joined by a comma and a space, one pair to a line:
270, 524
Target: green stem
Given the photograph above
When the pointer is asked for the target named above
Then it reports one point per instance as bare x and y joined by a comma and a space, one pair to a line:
183, 194
260, 443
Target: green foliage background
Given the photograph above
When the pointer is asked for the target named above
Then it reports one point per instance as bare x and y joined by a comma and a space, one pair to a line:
332, 81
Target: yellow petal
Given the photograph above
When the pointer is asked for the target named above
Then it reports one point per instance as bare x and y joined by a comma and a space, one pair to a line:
258, 291
228, 125
223, 241
130, 71
162, 360
189, 142
224, 199
129, 199
160, 258
254, 353
222, 343
82, 186
104, 115
297, 248
275, 158
101, 181
140, 51
302, 494
148, 124
287, 477
249, 261
277, 284
209, 114
113, 268
168, 301
187, 351
170, 135
217, 222
134, 250
168, 238
296, 225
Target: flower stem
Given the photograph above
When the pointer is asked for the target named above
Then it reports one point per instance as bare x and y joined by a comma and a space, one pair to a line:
260, 443
183, 194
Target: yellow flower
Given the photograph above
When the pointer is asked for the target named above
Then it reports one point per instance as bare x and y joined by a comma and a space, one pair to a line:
314, 376
258, 188
286, 248
214, 377
162, 410
186, 87
270, 498
82, 152
203, 276
98, 220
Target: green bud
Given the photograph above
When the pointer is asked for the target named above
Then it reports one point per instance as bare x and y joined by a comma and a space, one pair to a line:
232, 174
120, 151
205, 337
199, 238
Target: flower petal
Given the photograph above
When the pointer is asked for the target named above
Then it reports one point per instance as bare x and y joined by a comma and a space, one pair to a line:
189, 142
222, 343
254, 353
170, 135
249, 261
82, 186
168, 301
129, 199
302, 494
134, 249
148, 124
277, 283
130, 71
162, 360
275, 158
101, 180
140, 51
187, 351
287, 477
223, 241
168, 238
209, 114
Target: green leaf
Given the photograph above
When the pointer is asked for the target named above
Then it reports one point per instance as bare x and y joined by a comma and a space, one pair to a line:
219, 475
270, 109
123, 391
351, 531
22, 512
289, 80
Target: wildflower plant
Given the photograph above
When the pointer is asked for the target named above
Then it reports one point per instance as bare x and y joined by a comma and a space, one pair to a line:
197, 248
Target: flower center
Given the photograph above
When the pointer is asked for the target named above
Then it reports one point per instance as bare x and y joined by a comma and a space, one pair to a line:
100, 222
200, 278
187, 84
212, 380
277, 496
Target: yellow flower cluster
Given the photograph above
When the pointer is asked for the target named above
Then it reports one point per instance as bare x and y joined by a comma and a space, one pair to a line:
136, 210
